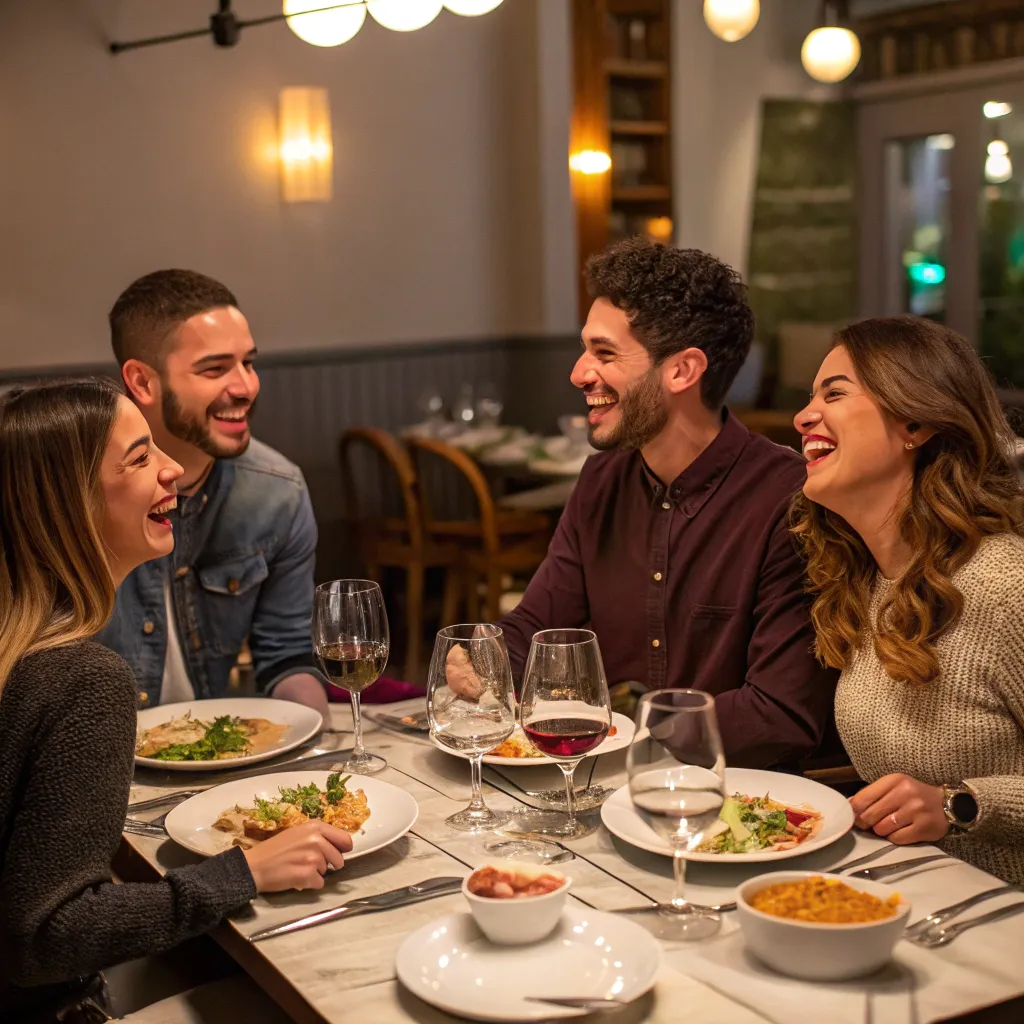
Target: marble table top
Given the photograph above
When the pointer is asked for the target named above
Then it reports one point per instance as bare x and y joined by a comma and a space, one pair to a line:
345, 970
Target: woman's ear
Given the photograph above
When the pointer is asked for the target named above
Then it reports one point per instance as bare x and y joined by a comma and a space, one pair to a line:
914, 435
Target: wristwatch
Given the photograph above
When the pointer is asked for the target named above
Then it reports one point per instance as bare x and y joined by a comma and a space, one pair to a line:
960, 805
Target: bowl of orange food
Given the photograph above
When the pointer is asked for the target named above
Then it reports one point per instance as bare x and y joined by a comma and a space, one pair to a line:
820, 927
513, 903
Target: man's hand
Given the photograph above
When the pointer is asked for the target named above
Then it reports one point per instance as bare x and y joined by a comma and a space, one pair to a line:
304, 688
460, 675
901, 809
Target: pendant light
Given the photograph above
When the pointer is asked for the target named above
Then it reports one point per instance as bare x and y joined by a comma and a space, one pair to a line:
831, 52
731, 20
324, 28
404, 15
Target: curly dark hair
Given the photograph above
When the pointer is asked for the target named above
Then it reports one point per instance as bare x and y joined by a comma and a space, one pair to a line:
676, 299
149, 309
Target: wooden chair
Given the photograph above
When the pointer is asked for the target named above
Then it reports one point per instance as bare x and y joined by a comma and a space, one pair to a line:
399, 542
497, 543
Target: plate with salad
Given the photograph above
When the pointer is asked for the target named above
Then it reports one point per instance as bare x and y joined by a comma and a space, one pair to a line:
207, 735
766, 816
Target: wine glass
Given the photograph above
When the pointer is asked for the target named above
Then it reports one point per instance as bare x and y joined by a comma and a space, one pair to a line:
677, 782
489, 406
471, 707
350, 637
566, 712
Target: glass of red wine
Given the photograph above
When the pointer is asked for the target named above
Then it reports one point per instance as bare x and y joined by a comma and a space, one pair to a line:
566, 712
351, 640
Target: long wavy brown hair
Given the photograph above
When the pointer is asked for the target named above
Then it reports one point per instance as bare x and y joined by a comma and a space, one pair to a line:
965, 488
56, 585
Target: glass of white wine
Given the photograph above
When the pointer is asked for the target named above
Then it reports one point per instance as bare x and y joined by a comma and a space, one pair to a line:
677, 782
351, 640
471, 707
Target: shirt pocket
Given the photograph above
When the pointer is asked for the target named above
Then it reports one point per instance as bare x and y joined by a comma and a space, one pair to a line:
228, 595
712, 645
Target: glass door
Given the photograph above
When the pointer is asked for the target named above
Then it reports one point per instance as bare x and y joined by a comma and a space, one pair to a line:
942, 205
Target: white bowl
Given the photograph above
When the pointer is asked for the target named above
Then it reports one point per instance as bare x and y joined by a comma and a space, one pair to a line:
522, 919
818, 952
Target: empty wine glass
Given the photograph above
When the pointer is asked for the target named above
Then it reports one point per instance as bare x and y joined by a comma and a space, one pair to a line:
471, 707
489, 406
677, 782
566, 712
463, 408
351, 640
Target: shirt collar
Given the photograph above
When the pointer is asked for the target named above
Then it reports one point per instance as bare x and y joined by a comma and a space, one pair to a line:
692, 488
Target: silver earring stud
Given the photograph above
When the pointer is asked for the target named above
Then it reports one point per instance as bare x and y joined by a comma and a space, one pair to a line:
909, 445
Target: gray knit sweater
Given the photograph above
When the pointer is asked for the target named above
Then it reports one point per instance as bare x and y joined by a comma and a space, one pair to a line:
966, 726
67, 739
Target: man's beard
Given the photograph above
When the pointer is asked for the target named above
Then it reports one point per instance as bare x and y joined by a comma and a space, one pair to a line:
642, 416
194, 431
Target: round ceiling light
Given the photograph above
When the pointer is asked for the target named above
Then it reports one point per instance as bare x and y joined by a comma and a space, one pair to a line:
731, 20
404, 15
830, 54
325, 28
471, 8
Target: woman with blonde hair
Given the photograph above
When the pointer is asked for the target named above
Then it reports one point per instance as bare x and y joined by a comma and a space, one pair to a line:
911, 522
84, 494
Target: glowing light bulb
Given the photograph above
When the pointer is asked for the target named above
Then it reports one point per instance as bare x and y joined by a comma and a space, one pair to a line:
471, 8
325, 28
731, 20
404, 15
590, 161
830, 54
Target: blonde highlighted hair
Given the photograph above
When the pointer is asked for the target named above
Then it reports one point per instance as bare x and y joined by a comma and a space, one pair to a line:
965, 488
56, 585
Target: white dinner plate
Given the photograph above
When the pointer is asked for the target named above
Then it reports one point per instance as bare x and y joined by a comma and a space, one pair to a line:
624, 729
622, 819
392, 811
303, 724
451, 965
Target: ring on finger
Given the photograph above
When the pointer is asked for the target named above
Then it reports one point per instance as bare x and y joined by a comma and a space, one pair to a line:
894, 820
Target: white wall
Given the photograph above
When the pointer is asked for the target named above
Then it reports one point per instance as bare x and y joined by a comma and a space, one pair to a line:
717, 92
114, 166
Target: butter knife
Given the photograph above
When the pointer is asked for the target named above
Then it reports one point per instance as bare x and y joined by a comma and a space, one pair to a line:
384, 901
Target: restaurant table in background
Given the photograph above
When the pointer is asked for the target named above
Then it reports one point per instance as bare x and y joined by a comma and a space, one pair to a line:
345, 971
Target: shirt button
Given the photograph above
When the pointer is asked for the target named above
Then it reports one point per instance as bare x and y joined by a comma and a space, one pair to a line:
655, 643
665, 504
233, 586
148, 627
143, 698
657, 576
183, 571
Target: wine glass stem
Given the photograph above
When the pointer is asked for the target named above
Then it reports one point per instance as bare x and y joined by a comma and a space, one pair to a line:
679, 873
568, 770
476, 763
357, 725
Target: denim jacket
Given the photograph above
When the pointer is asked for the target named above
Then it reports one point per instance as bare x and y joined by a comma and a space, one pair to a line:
242, 567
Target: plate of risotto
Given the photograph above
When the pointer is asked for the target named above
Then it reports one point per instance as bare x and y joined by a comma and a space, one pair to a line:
249, 811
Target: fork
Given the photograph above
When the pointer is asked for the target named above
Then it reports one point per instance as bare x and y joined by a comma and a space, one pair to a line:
154, 829
939, 917
932, 938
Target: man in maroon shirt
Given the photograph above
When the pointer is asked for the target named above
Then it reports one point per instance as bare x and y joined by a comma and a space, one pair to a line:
674, 547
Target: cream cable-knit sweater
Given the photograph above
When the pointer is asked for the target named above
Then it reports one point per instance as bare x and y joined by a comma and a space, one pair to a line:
967, 725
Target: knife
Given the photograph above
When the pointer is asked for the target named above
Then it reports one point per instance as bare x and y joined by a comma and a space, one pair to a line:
384, 901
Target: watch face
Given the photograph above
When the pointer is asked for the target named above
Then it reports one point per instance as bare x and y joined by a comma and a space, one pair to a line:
964, 807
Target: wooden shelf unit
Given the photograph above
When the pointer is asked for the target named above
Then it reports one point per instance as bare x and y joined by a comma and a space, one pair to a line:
622, 106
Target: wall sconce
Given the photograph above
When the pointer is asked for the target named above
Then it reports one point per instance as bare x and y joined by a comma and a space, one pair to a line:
590, 161
306, 148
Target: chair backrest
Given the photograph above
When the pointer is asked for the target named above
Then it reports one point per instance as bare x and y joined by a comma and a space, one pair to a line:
387, 448
431, 447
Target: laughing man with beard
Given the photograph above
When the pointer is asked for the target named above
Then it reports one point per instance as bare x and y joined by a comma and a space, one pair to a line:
244, 533
675, 547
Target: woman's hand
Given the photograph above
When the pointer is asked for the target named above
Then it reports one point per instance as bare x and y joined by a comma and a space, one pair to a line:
298, 858
901, 809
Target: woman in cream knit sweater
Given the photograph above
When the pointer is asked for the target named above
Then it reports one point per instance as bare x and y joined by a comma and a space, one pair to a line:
911, 521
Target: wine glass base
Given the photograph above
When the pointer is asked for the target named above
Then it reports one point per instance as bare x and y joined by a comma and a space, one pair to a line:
475, 821
363, 764
686, 923
586, 799
530, 851
526, 822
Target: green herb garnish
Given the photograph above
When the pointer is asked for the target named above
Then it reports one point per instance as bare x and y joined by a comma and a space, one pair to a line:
306, 798
225, 735
336, 790
266, 810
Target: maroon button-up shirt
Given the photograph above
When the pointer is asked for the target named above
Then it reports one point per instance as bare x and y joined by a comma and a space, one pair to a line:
697, 584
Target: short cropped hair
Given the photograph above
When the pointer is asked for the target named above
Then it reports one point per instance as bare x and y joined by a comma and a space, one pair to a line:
676, 299
150, 309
